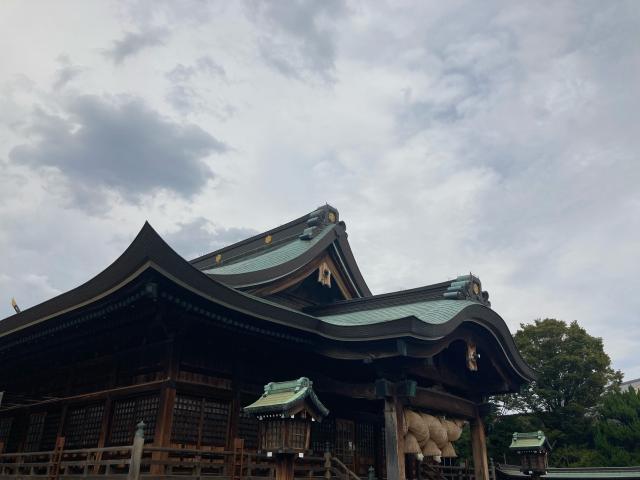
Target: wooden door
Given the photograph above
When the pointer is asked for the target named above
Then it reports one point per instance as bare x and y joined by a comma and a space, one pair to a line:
345, 442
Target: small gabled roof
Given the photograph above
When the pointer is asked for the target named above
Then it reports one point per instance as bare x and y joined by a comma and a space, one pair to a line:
529, 442
288, 398
283, 250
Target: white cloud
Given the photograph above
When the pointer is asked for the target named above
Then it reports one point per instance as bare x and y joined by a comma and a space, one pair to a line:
498, 138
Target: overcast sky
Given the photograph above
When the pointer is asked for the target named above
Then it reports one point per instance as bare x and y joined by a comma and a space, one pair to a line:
500, 138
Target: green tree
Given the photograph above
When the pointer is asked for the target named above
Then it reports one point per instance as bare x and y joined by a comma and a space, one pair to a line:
617, 429
573, 372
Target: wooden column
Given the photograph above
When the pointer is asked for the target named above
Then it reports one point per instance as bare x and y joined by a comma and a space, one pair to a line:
164, 419
394, 438
479, 447
284, 467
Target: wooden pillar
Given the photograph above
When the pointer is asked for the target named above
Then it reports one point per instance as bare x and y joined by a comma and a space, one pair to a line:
164, 418
284, 467
479, 447
394, 438
104, 433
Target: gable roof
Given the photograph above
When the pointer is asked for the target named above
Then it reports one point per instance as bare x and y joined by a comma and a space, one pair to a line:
283, 250
529, 441
287, 398
409, 315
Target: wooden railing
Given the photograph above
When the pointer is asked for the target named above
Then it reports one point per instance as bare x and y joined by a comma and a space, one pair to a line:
138, 461
87, 463
447, 471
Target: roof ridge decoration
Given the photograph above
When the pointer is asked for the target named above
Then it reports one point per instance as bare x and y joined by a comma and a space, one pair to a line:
467, 287
320, 217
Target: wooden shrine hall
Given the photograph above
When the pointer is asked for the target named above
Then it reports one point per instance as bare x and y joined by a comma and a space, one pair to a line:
145, 369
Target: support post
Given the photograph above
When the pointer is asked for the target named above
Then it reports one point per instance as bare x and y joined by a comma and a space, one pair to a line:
479, 447
394, 438
136, 453
284, 466
327, 462
164, 419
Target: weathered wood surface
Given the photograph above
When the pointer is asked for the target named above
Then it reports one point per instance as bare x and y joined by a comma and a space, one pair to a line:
479, 447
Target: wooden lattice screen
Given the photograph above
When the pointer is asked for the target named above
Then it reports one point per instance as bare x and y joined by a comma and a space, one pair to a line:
248, 430
200, 421
365, 446
127, 413
82, 426
323, 434
5, 429
34, 432
50, 430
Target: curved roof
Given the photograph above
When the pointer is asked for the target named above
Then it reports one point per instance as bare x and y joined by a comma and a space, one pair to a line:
424, 315
435, 312
284, 250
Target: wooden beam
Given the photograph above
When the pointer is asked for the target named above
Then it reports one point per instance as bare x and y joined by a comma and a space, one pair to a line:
426, 398
394, 438
443, 402
100, 395
479, 447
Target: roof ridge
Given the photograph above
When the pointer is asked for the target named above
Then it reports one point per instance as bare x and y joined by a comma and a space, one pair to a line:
400, 297
300, 221
460, 288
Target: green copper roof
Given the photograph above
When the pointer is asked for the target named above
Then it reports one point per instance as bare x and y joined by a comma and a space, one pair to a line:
284, 397
271, 257
529, 441
435, 312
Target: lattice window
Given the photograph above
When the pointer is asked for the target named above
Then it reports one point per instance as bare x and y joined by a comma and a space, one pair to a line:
365, 440
82, 426
382, 450
200, 421
345, 437
50, 430
34, 432
5, 429
248, 427
215, 422
186, 419
298, 433
323, 434
273, 434
127, 413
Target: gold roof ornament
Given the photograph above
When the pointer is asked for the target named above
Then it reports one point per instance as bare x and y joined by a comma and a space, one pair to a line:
219, 258
268, 239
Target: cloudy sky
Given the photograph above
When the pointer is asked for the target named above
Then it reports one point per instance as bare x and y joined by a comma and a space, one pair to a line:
500, 138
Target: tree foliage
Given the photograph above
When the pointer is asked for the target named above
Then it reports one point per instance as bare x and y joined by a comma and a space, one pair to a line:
573, 373
573, 370
617, 429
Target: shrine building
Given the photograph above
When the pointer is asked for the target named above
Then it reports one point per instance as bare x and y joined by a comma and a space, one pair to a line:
185, 345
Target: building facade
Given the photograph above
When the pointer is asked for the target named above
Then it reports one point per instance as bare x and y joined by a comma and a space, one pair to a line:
184, 345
